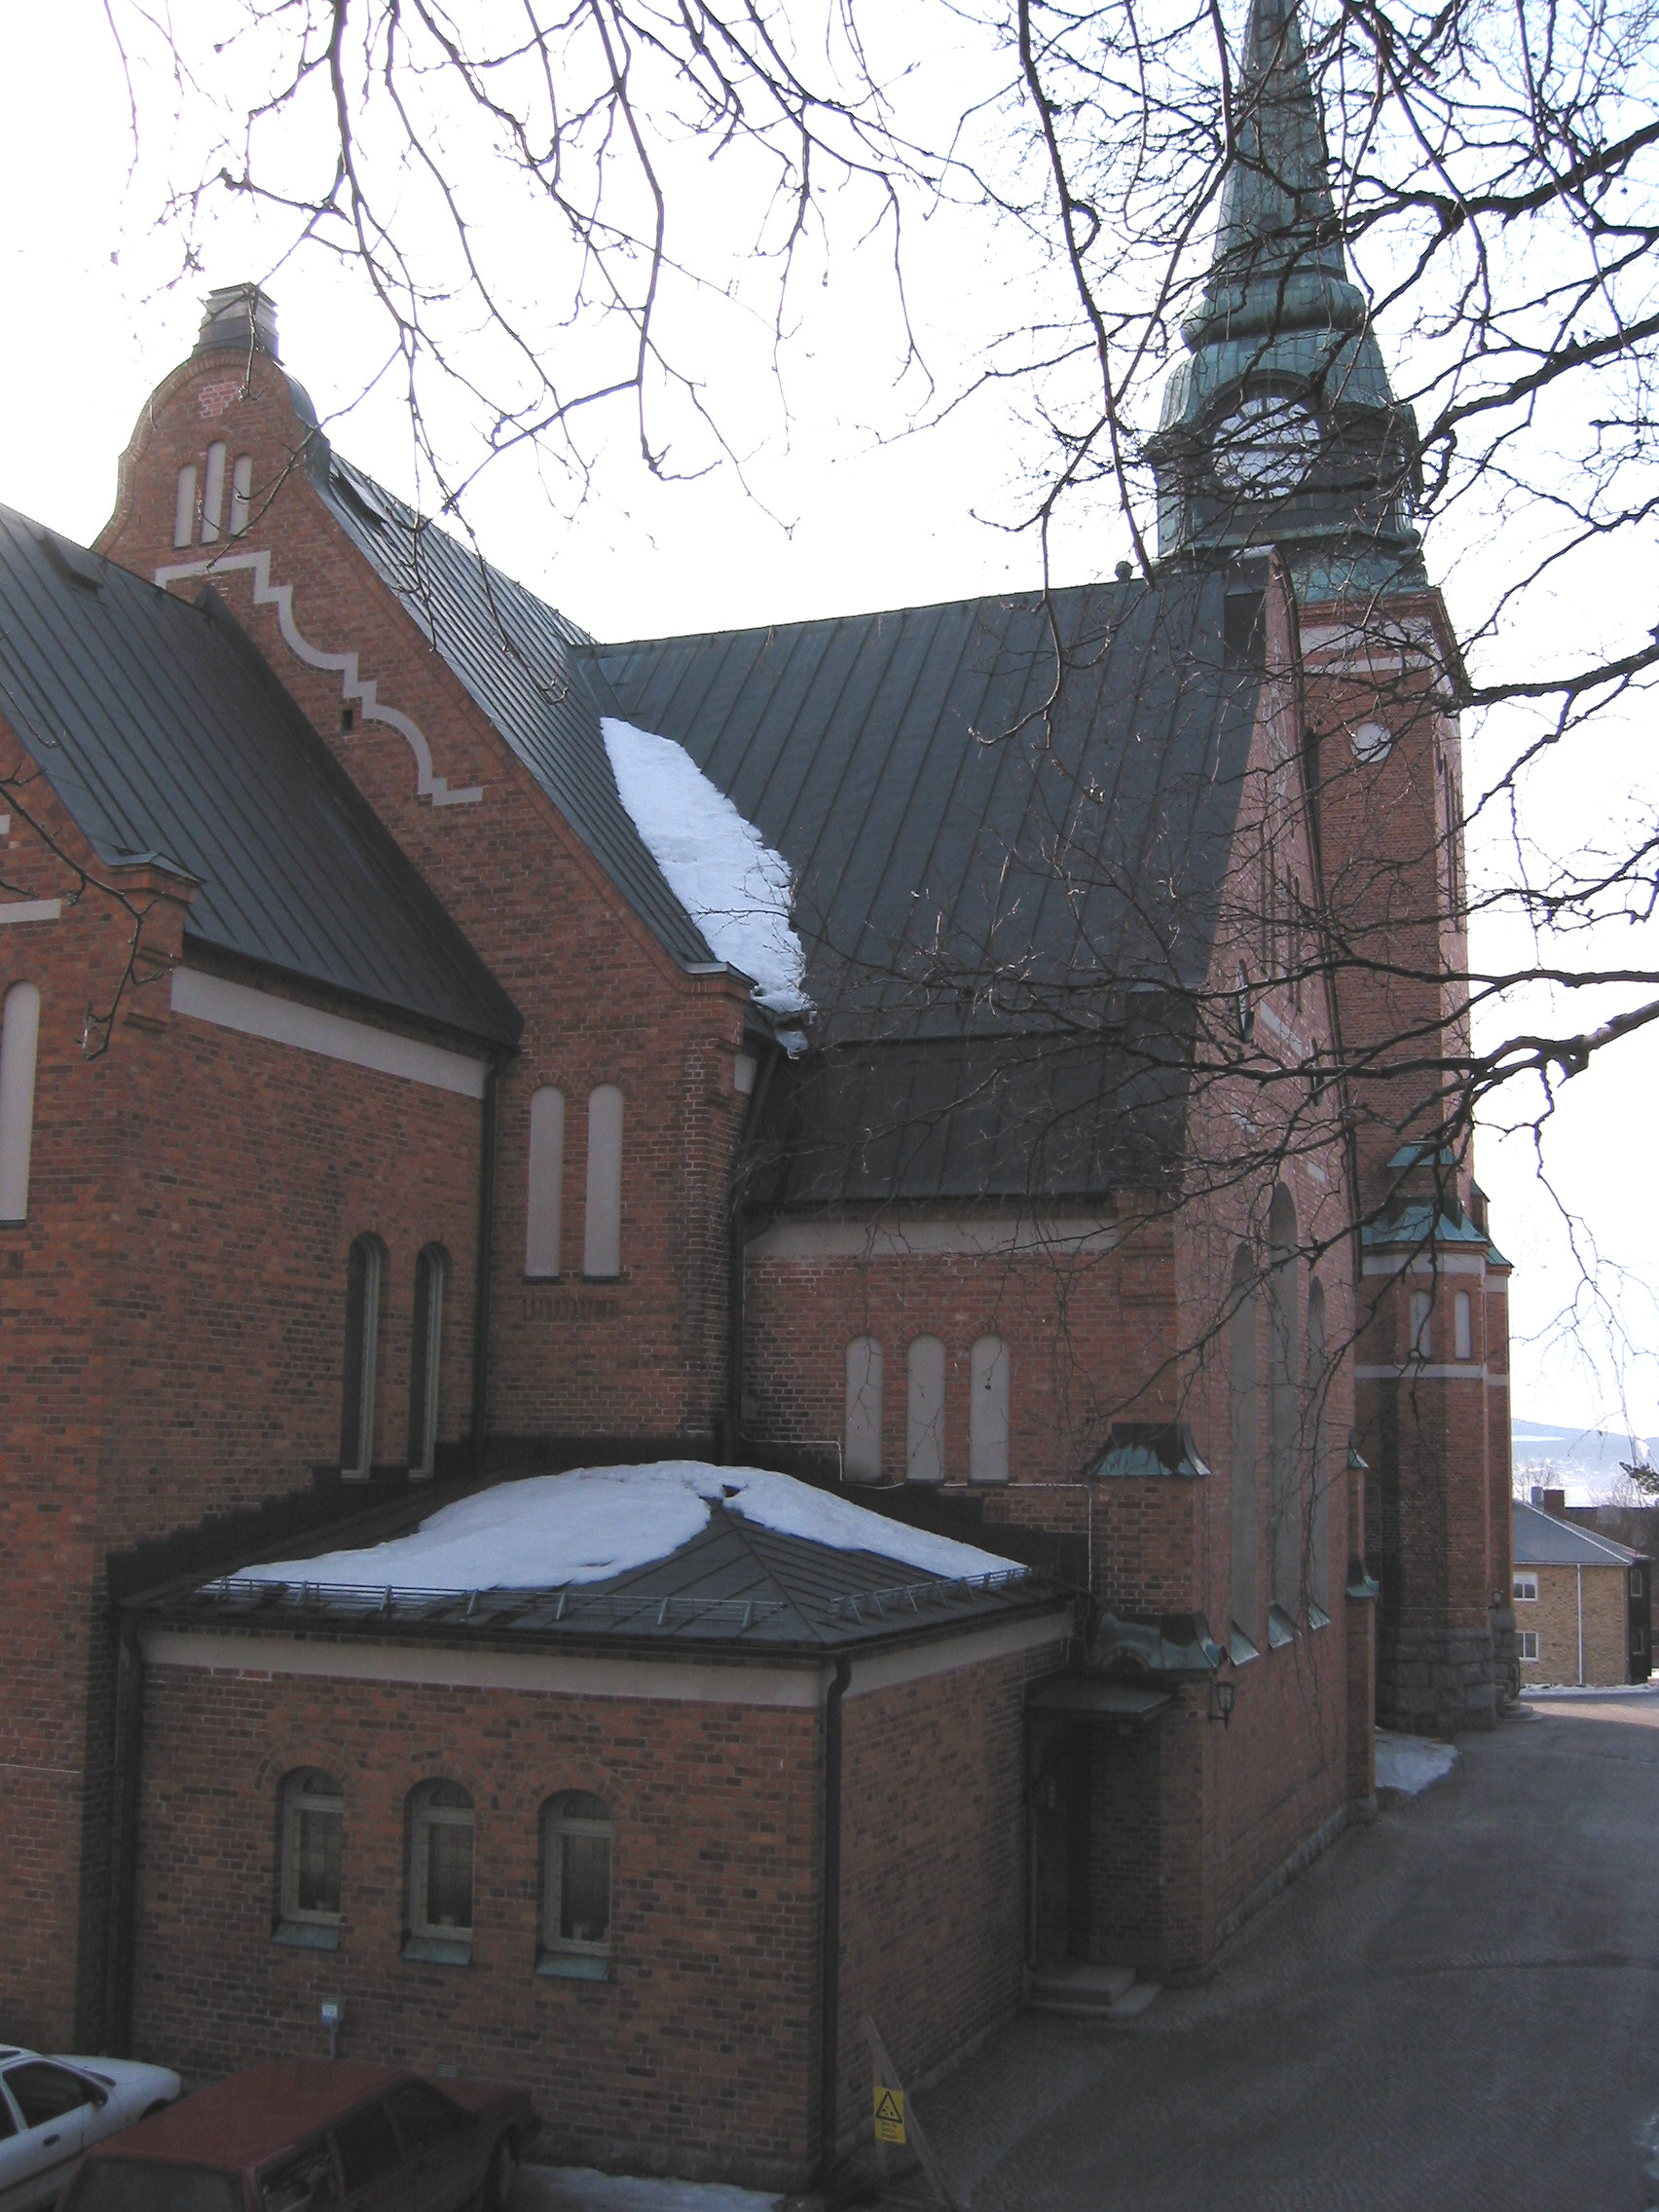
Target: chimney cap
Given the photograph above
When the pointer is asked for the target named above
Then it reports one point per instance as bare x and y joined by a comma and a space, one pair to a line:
239, 317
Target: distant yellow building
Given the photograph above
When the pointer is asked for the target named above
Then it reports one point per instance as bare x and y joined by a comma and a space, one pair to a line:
1580, 1601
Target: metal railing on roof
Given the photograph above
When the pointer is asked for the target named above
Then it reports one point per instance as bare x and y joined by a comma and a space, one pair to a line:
898, 1597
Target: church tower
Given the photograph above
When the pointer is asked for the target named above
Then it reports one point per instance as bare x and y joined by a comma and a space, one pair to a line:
1280, 431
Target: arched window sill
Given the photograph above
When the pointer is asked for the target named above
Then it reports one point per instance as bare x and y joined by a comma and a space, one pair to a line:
574, 1965
439, 1950
306, 1935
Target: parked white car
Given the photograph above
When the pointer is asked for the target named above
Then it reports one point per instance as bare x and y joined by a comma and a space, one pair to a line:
50, 2109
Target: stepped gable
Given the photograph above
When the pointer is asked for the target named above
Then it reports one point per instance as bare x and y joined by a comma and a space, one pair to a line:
165, 736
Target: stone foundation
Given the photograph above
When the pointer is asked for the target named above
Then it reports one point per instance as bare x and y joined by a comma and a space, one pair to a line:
1436, 1682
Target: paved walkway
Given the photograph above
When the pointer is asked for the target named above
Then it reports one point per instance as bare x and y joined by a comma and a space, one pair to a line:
1457, 2007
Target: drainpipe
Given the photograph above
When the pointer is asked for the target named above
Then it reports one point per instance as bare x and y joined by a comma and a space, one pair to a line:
123, 1856
486, 1261
1580, 1573
828, 2034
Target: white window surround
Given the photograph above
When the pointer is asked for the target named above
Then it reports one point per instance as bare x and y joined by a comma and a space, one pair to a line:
987, 1410
577, 1835
1529, 1644
602, 1222
1526, 1588
1462, 1326
20, 1045
440, 1815
365, 1266
184, 506
311, 1799
1422, 1326
862, 1446
289, 1021
924, 1443
544, 1204
432, 1274
213, 492
242, 493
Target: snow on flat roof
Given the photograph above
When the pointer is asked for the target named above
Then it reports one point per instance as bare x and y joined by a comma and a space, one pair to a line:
544, 1532
722, 871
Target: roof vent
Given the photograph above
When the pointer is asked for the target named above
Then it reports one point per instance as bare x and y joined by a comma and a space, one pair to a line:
240, 316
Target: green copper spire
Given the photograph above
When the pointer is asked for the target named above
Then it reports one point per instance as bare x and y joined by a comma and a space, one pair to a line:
1280, 428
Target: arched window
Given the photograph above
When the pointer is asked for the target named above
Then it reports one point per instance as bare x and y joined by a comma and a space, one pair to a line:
987, 1410
213, 492
1242, 1390
426, 1359
1462, 1326
364, 1269
441, 1823
544, 1212
1423, 1326
242, 493
924, 1442
1284, 1516
311, 1820
1318, 1451
184, 506
20, 1041
576, 1885
602, 1234
863, 1462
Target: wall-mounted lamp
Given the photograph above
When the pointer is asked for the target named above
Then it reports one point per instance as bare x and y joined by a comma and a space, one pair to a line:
1355, 1464
1222, 1695
333, 2014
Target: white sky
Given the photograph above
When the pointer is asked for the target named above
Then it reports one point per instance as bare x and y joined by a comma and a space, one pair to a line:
833, 521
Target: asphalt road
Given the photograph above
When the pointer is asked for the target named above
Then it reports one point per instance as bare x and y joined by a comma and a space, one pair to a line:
1457, 2007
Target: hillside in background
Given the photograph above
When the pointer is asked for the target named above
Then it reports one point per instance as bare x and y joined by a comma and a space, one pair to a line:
1585, 1462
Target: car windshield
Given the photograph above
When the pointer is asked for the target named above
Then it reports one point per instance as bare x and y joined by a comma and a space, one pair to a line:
146, 2185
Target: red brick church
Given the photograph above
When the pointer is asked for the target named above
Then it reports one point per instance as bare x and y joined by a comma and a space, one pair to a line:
386, 1119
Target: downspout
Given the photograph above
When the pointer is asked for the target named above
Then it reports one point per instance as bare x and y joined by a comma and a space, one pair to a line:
829, 2023
752, 1120
486, 1261
1580, 1573
122, 1904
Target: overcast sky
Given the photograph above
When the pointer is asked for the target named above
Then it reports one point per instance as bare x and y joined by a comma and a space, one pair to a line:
830, 520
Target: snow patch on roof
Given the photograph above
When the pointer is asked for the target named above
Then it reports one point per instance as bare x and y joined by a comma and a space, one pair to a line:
545, 1532
730, 880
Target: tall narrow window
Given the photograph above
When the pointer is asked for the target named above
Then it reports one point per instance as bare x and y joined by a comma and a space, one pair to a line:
20, 1044
312, 1831
184, 506
363, 1270
576, 1885
924, 1436
987, 1410
242, 493
864, 1411
543, 1212
441, 1825
425, 1360
1462, 1326
1423, 1322
1244, 1387
1319, 1471
213, 494
1284, 1517
602, 1233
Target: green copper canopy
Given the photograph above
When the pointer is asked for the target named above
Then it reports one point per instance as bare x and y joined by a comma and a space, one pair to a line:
1280, 321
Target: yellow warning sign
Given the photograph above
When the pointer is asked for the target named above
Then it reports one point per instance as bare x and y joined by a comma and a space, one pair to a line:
889, 2115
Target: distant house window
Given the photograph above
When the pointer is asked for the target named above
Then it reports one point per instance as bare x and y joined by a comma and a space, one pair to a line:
312, 1840
1636, 1584
425, 1360
987, 1410
544, 1212
924, 1449
575, 1901
862, 1442
1526, 1588
242, 493
184, 506
363, 1273
602, 1239
19, 1042
1462, 1326
213, 494
1422, 1310
441, 1823
1530, 1644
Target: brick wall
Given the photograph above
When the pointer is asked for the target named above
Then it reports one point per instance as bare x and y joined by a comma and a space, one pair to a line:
1555, 1619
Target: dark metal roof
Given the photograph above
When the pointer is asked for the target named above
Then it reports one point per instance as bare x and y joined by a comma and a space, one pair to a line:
735, 1582
1542, 1540
161, 732
514, 654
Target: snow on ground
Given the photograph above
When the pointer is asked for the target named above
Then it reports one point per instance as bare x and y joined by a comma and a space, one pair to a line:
547, 1530
722, 871
1412, 1762
577, 2189
1592, 1689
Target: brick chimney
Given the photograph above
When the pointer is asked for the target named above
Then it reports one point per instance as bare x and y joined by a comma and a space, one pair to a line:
1555, 1501
239, 318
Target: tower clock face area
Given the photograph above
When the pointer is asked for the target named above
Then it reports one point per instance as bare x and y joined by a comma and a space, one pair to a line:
1266, 447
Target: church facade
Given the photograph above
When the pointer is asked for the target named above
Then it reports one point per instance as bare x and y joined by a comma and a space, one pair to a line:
385, 1113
